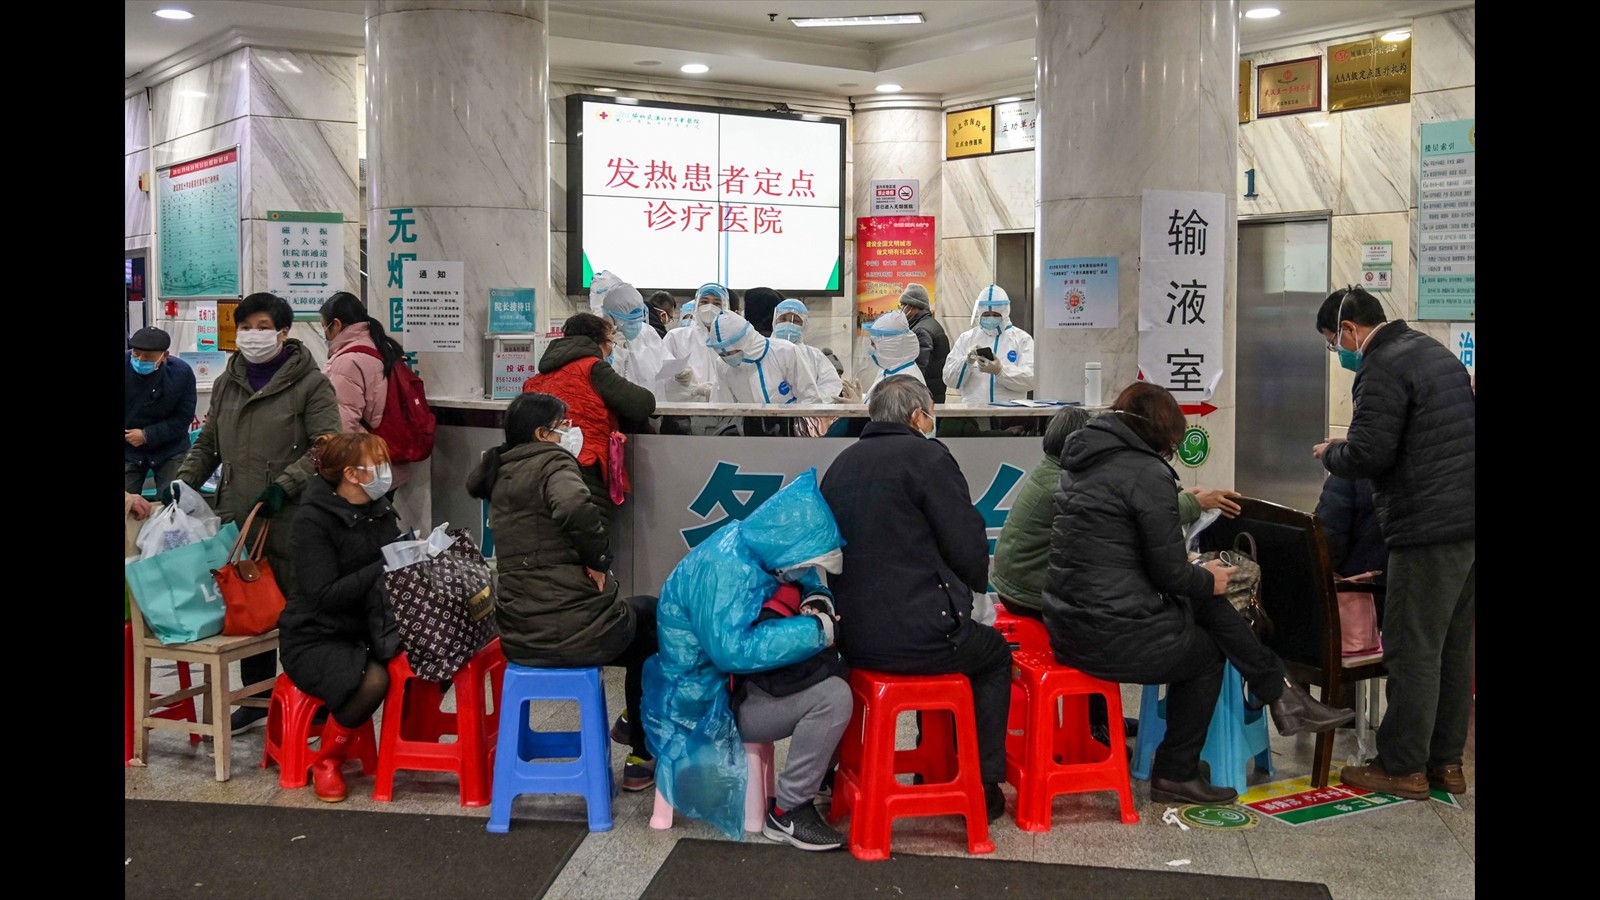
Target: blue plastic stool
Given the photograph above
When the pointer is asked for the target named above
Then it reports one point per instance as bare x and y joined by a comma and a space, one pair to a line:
1235, 737
521, 763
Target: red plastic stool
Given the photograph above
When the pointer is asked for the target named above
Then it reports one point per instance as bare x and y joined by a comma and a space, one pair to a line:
289, 716
1024, 635
948, 763
183, 710
413, 721
1056, 754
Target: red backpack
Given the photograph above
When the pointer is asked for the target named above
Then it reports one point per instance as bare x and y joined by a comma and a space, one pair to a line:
408, 423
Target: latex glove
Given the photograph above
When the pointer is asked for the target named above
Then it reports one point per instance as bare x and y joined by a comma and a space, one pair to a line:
685, 378
820, 602
702, 390
271, 500
825, 619
988, 366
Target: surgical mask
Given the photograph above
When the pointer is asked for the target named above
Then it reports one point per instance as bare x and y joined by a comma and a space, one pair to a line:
382, 479
734, 359
990, 324
571, 440
706, 313
788, 331
258, 346
1350, 359
630, 328
933, 427
142, 366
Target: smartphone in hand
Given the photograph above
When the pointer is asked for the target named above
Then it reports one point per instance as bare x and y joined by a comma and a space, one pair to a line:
985, 352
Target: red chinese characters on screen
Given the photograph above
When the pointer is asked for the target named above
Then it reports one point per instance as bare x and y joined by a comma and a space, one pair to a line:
697, 177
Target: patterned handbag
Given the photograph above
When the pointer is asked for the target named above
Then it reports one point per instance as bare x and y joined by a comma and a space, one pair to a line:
443, 606
1244, 586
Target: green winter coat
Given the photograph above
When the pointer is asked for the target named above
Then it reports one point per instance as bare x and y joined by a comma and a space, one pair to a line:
261, 438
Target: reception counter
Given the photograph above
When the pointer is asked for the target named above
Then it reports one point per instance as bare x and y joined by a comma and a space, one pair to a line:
685, 487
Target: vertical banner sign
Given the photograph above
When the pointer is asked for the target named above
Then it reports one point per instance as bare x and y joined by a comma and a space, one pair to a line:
198, 227
305, 258
400, 227
1464, 344
434, 315
1446, 222
891, 252
226, 327
1182, 239
1081, 293
511, 310
205, 325
513, 364
1016, 126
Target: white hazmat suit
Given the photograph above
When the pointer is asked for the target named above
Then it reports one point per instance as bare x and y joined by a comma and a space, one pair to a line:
757, 369
639, 353
789, 324
1009, 376
698, 379
894, 348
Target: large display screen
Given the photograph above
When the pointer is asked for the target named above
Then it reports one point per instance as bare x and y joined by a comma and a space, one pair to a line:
671, 197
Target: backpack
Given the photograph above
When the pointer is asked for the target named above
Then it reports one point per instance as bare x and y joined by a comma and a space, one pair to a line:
408, 423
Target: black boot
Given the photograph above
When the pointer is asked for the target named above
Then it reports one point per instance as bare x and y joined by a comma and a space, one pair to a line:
1196, 790
1297, 712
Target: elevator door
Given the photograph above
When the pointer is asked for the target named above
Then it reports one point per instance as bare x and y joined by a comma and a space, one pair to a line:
1283, 366
1013, 271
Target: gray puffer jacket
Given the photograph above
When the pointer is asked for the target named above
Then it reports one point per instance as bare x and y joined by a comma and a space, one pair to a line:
1115, 599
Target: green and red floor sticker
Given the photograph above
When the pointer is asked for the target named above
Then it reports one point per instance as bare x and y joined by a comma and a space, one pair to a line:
1296, 802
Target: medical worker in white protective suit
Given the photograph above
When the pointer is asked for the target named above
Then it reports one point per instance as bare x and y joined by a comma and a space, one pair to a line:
758, 369
685, 315
789, 324
1005, 371
894, 349
640, 353
699, 377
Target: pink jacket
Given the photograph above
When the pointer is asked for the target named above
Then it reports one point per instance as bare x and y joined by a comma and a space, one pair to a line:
357, 378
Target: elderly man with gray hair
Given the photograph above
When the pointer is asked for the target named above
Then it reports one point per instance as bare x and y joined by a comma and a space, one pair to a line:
915, 551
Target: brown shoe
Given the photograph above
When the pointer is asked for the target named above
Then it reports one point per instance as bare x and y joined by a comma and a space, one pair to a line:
1374, 778
1449, 778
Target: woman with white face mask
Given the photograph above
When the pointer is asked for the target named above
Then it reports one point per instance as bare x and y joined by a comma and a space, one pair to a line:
698, 379
558, 605
267, 406
337, 632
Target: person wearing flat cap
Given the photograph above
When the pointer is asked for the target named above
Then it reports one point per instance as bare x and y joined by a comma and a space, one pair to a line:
933, 345
159, 405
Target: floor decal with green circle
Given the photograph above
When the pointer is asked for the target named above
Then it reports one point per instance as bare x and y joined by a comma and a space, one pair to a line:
1218, 817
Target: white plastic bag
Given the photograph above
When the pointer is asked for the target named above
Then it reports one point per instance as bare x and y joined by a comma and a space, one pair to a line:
983, 611
399, 554
179, 524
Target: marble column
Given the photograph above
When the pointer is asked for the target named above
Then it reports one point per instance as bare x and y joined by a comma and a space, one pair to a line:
458, 159
458, 168
895, 137
1133, 97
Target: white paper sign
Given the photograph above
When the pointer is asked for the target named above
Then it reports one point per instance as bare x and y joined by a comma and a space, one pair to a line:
205, 325
1183, 236
305, 258
434, 313
895, 198
1016, 125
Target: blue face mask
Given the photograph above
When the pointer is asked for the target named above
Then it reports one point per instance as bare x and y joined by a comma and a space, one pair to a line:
990, 324
630, 329
788, 331
143, 367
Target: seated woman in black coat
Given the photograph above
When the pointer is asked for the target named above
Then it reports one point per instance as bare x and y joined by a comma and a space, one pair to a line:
336, 632
1122, 601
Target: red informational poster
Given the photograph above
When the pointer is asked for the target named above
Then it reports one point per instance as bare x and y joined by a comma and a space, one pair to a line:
891, 252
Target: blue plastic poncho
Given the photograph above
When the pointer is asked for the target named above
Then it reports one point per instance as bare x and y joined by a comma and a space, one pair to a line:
707, 629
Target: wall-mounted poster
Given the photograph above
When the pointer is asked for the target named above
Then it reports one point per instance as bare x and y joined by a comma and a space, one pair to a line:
1016, 126
305, 258
1182, 286
1369, 72
891, 252
1080, 293
1289, 87
1244, 90
435, 319
1447, 232
197, 227
969, 132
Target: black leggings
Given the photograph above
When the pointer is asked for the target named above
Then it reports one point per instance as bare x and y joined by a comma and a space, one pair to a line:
367, 698
632, 658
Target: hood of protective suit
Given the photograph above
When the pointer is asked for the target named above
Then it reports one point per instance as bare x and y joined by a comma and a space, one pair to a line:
789, 331
706, 621
686, 313
992, 297
730, 331
624, 305
604, 281
893, 343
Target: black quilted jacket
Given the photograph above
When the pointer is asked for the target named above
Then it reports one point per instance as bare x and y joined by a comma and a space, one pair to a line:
1413, 434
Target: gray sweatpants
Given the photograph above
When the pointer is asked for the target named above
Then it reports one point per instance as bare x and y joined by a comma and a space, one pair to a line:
816, 717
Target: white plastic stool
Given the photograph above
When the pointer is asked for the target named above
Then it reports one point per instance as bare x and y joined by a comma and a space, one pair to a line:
758, 791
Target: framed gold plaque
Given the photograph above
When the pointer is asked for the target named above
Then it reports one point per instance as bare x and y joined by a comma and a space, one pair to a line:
1289, 87
969, 132
1368, 72
1244, 91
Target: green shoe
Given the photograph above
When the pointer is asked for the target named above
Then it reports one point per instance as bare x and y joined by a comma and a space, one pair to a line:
638, 774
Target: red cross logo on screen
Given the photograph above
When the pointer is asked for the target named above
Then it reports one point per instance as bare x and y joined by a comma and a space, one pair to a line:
604, 114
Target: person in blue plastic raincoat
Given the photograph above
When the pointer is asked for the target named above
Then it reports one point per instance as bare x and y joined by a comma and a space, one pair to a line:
709, 625
789, 324
638, 356
1009, 375
758, 369
894, 349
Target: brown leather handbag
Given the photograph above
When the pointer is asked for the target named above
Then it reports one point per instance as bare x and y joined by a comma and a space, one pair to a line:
1244, 586
249, 590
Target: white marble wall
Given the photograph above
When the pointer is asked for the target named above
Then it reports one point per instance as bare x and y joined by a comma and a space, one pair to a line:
456, 132
293, 117
136, 149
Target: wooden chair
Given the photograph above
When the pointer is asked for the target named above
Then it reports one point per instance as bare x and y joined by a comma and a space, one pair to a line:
1299, 593
212, 654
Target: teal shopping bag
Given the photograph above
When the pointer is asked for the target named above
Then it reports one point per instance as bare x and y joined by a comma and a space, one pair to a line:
176, 592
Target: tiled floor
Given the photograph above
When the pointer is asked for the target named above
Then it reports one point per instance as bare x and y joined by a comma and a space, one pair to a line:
1409, 850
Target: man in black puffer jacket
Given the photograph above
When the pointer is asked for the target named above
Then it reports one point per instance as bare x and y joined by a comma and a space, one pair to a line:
1413, 432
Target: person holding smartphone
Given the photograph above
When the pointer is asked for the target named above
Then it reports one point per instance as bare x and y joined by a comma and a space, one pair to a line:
991, 362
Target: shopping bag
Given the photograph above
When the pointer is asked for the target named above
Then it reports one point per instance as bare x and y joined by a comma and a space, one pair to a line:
176, 592
184, 522
442, 594
617, 468
1358, 619
250, 591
